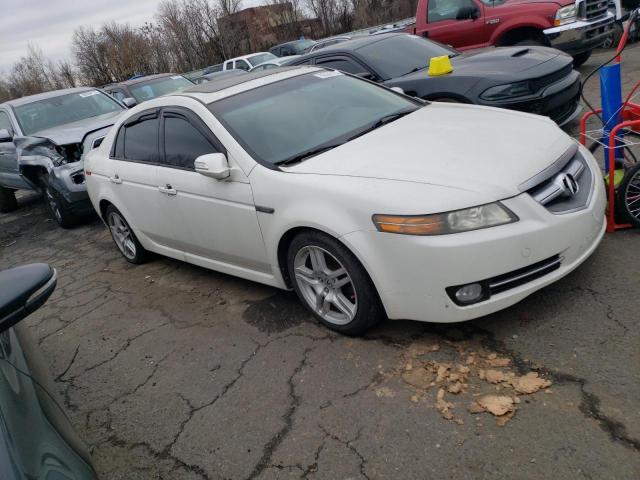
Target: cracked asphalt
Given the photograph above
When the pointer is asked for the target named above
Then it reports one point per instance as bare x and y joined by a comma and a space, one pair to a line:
170, 371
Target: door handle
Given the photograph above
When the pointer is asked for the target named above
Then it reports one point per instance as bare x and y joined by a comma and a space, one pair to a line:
168, 190
115, 179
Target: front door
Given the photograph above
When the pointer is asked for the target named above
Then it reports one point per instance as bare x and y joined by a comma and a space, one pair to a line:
215, 220
443, 27
9, 173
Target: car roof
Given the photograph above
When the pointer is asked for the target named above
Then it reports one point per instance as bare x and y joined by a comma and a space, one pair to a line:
44, 96
146, 78
355, 43
246, 56
232, 81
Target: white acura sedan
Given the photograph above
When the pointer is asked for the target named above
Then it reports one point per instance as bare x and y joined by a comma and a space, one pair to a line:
366, 202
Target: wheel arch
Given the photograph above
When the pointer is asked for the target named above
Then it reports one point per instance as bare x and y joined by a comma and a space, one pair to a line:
514, 35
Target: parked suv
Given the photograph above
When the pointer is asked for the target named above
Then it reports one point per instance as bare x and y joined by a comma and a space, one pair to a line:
43, 139
247, 62
574, 26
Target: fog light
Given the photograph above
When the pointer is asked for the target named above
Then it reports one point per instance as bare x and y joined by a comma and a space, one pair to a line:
469, 293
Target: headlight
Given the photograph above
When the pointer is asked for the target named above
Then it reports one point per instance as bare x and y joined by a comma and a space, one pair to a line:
475, 218
566, 15
500, 92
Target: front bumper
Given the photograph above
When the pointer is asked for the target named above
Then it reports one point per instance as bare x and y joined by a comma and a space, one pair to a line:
412, 273
559, 101
580, 36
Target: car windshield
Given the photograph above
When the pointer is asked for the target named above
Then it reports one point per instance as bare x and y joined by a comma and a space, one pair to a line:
159, 87
279, 122
402, 54
260, 58
52, 112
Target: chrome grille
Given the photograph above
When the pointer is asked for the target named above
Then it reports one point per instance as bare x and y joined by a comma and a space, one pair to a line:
593, 9
565, 186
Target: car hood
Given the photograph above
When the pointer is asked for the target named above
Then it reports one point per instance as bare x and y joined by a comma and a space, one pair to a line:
503, 64
484, 150
74, 132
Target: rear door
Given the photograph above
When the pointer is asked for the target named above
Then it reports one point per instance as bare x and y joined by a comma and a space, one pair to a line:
443, 27
215, 221
133, 178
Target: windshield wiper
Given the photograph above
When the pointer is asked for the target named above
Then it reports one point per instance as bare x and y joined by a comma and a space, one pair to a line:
383, 121
308, 154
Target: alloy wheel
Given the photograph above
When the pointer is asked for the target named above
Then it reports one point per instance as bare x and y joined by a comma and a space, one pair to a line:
122, 236
325, 285
631, 196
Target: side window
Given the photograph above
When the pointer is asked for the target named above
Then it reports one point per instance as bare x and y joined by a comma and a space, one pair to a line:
259, 68
5, 121
183, 142
118, 144
343, 64
439, 10
141, 140
304, 62
118, 95
242, 65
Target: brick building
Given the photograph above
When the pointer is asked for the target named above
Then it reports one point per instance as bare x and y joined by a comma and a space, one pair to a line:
258, 28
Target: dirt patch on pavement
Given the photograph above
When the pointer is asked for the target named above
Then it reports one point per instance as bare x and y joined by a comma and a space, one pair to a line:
276, 313
464, 376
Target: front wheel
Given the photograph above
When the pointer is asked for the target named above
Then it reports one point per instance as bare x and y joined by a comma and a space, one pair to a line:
629, 195
581, 58
332, 284
8, 202
59, 208
123, 237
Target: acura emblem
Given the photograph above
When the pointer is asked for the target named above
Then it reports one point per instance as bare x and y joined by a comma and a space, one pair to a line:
567, 183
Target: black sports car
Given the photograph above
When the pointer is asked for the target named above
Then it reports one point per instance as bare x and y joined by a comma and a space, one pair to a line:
530, 79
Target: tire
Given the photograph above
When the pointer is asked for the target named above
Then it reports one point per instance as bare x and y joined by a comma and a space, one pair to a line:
581, 58
124, 238
346, 302
8, 202
59, 208
530, 43
628, 197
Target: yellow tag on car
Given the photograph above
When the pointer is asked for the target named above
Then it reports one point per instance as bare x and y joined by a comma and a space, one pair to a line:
440, 66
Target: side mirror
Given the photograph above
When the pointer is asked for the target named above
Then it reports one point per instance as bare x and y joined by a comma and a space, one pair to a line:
398, 90
466, 13
5, 135
129, 102
214, 165
23, 290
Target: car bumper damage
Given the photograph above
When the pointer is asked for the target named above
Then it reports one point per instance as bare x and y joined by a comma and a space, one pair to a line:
417, 275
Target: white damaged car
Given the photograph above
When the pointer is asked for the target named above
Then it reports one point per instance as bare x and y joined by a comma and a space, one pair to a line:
366, 202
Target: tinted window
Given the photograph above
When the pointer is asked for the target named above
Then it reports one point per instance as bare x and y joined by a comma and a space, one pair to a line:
398, 55
5, 122
342, 64
183, 143
141, 141
446, 9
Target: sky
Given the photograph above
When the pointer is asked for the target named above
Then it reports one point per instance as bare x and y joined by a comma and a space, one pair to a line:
49, 24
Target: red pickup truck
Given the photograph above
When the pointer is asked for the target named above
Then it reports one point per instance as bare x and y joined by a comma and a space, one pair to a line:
574, 26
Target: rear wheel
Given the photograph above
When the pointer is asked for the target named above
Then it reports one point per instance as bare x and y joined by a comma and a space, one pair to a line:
581, 58
8, 202
332, 284
124, 238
